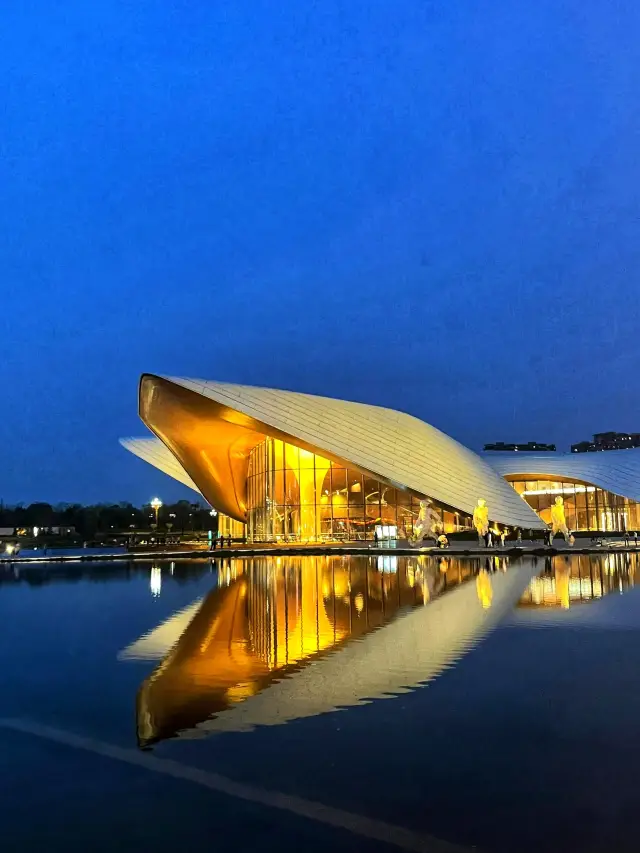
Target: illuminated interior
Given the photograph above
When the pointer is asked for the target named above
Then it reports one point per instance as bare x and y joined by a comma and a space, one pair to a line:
229, 527
296, 495
586, 506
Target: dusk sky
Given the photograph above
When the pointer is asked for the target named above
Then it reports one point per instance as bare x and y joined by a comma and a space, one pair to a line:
424, 205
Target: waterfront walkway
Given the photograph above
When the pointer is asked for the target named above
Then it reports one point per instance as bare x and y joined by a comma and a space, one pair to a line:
398, 548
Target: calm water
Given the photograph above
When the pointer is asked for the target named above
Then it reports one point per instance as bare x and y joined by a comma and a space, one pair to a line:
479, 701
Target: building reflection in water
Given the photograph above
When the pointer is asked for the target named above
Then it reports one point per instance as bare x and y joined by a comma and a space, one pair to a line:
254, 635
268, 617
568, 580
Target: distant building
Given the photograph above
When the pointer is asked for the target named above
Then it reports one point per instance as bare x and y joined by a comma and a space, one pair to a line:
529, 447
608, 441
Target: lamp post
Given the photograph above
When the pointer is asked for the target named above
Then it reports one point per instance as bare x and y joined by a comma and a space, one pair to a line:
156, 503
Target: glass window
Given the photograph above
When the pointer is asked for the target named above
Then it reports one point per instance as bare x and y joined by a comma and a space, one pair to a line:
388, 496
450, 525
307, 460
339, 481
279, 491
325, 487
292, 456
292, 487
294, 495
356, 491
388, 515
371, 491
570, 512
278, 455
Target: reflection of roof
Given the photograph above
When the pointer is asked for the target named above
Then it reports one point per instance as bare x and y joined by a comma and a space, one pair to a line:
158, 643
398, 657
616, 471
212, 426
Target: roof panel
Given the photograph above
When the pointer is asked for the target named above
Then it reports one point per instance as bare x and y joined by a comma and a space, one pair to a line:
395, 445
616, 471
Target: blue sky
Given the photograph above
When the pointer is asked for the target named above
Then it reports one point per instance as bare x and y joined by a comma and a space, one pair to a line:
423, 205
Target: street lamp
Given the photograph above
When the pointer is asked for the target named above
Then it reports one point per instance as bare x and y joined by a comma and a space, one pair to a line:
156, 503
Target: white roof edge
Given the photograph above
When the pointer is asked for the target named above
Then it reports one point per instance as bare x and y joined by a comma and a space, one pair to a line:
394, 445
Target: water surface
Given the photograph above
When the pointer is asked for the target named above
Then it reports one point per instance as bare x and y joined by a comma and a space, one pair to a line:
401, 687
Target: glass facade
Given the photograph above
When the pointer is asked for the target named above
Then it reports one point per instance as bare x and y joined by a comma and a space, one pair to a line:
586, 507
297, 496
229, 527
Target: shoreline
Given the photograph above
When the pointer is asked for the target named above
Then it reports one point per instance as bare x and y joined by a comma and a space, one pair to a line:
326, 550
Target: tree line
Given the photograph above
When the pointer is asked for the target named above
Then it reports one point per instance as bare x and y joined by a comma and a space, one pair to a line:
93, 519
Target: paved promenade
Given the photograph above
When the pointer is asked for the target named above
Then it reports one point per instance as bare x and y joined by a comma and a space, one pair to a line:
466, 548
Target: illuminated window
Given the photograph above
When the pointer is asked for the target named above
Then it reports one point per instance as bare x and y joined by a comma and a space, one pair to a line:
297, 496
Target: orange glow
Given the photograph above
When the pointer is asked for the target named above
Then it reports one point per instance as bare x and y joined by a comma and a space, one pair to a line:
484, 588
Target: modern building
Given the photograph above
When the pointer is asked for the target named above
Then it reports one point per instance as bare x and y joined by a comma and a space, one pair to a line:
281, 466
601, 491
294, 467
529, 447
608, 441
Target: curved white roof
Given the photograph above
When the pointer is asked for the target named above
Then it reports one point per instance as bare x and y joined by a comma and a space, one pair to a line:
616, 471
153, 451
391, 445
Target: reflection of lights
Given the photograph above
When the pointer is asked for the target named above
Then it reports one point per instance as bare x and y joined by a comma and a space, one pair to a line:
484, 588
387, 564
155, 581
359, 602
36, 530
544, 590
9, 548
242, 691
